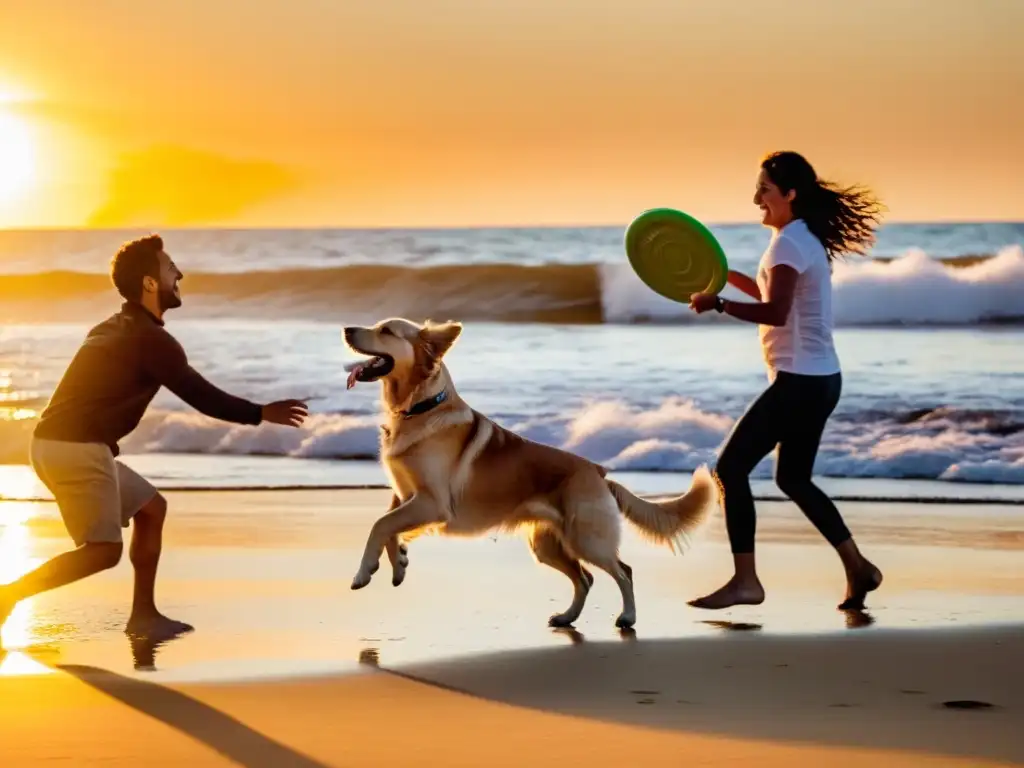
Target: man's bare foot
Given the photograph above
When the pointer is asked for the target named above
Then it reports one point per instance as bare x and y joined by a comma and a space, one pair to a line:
868, 579
155, 627
733, 593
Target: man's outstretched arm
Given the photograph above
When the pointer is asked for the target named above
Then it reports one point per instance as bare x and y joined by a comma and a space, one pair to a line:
167, 363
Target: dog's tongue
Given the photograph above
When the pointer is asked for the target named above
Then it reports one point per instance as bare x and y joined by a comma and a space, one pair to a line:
353, 374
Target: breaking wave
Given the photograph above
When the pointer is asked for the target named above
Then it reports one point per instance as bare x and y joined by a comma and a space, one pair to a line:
913, 290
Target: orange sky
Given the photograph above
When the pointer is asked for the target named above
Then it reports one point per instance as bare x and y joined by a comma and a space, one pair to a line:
468, 112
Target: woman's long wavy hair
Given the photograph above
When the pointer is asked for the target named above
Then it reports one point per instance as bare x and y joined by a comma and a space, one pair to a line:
842, 218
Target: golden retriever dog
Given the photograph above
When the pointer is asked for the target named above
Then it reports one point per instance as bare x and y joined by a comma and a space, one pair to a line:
454, 471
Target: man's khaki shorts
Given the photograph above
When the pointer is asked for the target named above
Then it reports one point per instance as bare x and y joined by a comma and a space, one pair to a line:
96, 494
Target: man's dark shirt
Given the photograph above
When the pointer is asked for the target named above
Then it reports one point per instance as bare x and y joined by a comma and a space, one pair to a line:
115, 375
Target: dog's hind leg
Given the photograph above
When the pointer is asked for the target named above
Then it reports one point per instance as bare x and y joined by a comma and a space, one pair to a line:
596, 541
623, 576
549, 550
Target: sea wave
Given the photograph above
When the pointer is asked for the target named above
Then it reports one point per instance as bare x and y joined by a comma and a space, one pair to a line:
913, 290
954, 444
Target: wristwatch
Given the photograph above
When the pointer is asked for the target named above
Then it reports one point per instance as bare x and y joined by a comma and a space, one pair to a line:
719, 304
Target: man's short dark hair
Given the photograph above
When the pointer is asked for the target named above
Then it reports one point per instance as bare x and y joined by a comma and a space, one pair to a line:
134, 261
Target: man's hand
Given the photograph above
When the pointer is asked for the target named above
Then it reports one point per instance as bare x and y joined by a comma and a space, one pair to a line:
290, 413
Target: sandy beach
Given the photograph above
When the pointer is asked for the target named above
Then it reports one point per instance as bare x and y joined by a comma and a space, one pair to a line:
288, 667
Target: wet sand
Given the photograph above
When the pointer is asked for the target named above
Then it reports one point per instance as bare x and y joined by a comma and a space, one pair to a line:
457, 667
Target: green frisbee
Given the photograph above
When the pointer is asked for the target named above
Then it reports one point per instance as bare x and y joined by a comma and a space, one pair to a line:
675, 255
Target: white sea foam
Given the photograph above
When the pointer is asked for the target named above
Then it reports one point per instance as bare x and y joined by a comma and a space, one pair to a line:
944, 444
911, 290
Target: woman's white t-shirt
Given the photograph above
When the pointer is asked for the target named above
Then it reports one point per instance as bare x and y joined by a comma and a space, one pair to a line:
804, 344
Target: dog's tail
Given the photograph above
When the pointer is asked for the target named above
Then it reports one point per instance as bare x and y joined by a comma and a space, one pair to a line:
670, 521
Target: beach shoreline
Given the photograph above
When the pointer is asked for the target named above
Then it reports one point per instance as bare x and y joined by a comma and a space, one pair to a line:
200, 473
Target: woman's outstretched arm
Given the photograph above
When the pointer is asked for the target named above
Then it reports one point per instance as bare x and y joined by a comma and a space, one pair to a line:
774, 311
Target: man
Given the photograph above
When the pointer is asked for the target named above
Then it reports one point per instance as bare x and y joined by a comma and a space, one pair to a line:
102, 397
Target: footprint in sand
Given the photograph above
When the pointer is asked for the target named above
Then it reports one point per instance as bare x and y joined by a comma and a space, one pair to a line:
646, 694
967, 704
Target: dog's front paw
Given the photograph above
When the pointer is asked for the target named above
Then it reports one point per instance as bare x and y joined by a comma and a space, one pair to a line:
625, 621
362, 579
399, 562
397, 575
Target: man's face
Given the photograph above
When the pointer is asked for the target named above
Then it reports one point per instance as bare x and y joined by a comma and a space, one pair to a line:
168, 290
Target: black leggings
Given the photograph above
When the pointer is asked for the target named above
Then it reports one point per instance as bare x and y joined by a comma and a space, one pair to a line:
790, 414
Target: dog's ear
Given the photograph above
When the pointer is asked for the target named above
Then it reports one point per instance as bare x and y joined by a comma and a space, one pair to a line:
437, 338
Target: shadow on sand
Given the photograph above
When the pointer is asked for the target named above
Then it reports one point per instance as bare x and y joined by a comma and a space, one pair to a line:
886, 689
220, 732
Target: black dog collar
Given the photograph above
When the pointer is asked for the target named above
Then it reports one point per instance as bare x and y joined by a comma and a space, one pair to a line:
426, 405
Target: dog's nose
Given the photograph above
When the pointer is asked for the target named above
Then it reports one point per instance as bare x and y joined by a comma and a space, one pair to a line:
349, 333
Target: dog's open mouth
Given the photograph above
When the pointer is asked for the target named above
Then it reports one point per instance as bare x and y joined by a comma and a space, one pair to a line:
369, 370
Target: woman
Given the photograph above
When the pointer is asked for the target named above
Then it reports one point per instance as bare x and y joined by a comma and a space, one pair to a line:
813, 222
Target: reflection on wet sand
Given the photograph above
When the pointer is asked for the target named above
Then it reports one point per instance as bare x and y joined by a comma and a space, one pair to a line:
144, 650
733, 626
858, 619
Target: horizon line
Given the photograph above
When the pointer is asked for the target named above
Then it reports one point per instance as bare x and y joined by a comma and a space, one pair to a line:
226, 227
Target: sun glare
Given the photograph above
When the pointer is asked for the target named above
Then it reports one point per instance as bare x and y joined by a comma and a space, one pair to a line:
15, 559
17, 156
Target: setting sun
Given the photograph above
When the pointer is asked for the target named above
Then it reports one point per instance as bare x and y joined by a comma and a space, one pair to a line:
17, 156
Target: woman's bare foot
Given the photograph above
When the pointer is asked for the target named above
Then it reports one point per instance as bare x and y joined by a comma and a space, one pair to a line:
867, 579
735, 592
155, 627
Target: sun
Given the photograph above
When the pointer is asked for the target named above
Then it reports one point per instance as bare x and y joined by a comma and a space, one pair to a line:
17, 156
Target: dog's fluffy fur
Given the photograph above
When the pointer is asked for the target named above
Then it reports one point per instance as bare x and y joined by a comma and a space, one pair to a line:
456, 471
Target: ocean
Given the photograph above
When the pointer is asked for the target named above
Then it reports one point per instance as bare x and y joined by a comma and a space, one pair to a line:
561, 342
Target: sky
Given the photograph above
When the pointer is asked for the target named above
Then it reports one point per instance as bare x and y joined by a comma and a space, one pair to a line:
363, 113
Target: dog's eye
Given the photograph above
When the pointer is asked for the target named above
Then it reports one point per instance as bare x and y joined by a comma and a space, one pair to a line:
386, 332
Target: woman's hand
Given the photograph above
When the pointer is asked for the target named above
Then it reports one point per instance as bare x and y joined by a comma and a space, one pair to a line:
703, 302
775, 311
